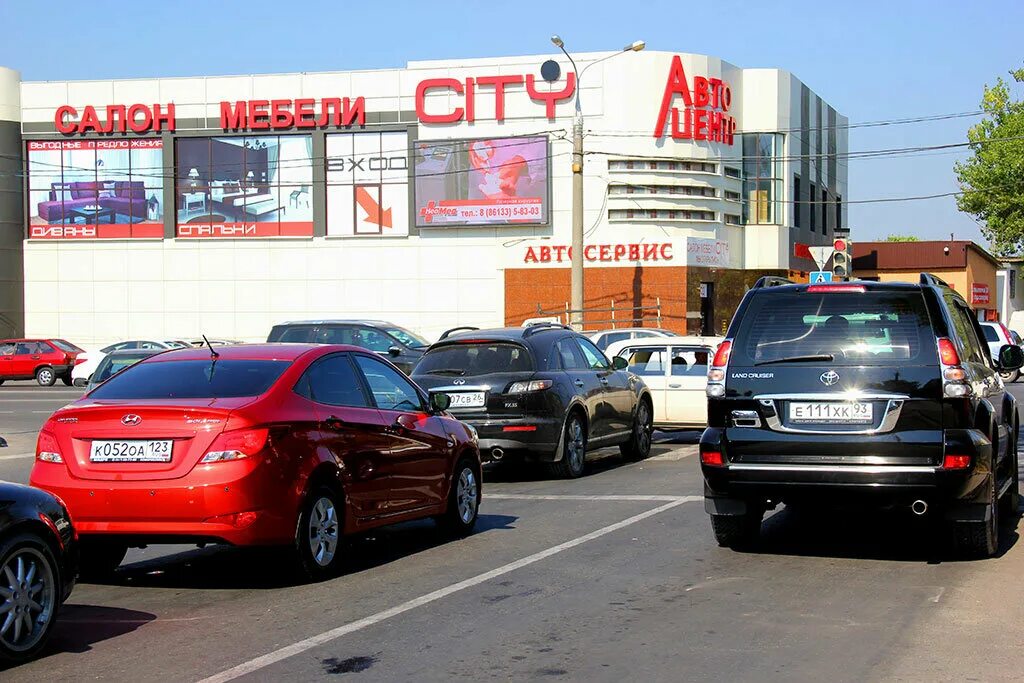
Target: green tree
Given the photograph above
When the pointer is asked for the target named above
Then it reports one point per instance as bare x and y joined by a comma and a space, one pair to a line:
992, 180
902, 238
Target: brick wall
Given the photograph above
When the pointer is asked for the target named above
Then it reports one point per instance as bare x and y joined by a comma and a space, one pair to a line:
628, 287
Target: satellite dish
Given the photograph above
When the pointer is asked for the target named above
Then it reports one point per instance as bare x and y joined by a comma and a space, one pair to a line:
550, 71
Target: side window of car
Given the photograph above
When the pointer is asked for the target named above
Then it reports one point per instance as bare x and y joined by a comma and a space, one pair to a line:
7, 349
335, 334
569, 355
390, 389
646, 362
689, 361
302, 333
149, 345
375, 340
333, 381
978, 338
26, 349
595, 359
45, 347
608, 339
968, 337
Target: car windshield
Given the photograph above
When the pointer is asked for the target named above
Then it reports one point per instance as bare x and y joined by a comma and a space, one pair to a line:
406, 337
472, 359
67, 347
842, 328
173, 379
115, 363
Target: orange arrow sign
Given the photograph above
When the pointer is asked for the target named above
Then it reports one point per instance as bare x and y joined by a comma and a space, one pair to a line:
372, 208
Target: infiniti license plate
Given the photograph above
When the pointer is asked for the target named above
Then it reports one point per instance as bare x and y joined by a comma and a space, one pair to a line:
130, 451
467, 399
831, 413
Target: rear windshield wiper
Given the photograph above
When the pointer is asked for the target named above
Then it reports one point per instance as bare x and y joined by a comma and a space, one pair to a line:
797, 359
446, 371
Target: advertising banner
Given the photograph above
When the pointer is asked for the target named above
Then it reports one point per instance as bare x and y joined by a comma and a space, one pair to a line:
368, 184
980, 293
240, 187
498, 181
95, 189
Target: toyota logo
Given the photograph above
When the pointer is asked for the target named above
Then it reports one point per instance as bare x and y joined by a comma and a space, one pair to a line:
829, 378
130, 420
458, 381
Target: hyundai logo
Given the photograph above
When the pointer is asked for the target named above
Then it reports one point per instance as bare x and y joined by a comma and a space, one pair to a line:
130, 420
458, 381
829, 378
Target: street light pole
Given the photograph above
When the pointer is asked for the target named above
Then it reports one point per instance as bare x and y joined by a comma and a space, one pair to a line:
576, 256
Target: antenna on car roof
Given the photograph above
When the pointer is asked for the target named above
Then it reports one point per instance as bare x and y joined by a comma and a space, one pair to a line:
213, 352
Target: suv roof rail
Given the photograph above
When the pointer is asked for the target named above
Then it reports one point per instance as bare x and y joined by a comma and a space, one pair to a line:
446, 333
772, 281
929, 279
538, 327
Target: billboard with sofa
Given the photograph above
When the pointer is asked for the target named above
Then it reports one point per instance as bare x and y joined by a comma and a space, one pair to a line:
497, 181
244, 186
95, 189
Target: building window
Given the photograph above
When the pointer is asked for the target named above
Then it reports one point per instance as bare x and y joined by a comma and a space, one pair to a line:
661, 214
685, 190
761, 177
732, 172
796, 201
648, 165
732, 219
814, 208
824, 211
1011, 278
731, 196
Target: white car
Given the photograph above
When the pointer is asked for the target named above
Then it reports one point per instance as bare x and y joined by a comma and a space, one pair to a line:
675, 369
83, 371
997, 335
606, 338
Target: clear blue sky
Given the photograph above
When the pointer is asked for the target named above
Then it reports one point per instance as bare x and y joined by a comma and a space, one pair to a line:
870, 60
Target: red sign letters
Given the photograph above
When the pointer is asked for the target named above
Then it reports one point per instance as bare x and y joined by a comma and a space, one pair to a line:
704, 115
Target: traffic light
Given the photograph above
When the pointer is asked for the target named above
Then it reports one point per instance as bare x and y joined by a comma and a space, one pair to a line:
841, 259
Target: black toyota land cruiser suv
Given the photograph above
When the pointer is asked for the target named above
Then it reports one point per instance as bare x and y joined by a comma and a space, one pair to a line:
875, 394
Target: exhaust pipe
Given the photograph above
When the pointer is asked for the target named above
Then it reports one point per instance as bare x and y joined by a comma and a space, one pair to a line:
497, 453
919, 507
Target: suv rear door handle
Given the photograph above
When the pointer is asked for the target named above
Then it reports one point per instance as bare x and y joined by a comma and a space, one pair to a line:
334, 422
604, 380
674, 385
579, 383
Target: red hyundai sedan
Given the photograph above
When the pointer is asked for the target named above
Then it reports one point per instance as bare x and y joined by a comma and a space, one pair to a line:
278, 444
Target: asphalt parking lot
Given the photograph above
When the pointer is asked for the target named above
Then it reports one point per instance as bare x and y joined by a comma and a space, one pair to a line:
613, 576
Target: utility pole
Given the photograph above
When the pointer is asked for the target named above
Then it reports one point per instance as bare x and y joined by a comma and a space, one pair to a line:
576, 271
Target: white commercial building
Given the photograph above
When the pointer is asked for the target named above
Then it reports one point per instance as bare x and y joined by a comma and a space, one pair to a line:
432, 196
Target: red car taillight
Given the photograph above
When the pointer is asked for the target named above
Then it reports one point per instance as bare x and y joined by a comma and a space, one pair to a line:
80, 359
236, 444
956, 462
713, 458
716, 374
47, 449
954, 377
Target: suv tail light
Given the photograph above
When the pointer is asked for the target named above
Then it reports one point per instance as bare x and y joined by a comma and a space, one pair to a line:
716, 373
528, 387
47, 449
954, 377
956, 462
236, 444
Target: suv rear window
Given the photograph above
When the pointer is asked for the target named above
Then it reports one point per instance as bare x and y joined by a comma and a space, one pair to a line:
468, 360
870, 328
990, 333
192, 379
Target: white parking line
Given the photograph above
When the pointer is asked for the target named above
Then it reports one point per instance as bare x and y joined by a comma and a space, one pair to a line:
532, 496
16, 456
327, 636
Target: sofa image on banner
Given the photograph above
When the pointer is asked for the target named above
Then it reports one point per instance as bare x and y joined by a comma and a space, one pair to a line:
95, 189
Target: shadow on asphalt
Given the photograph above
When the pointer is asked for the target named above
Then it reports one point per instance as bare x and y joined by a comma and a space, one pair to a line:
222, 567
79, 627
894, 535
598, 461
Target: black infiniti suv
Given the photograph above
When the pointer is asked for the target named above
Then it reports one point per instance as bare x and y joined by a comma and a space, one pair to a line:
877, 394
541, 393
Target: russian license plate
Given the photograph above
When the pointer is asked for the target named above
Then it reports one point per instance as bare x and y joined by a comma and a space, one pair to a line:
831, 413
467, 399
130, 451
